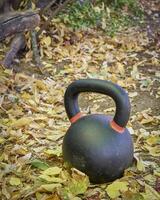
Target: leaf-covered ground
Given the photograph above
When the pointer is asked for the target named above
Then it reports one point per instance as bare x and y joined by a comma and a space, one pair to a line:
33, 119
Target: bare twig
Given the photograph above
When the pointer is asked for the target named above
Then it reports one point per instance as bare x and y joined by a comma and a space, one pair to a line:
61, 7
35, 48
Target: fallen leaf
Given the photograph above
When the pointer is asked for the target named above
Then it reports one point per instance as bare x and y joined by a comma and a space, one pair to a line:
57, 151
2, 140
133, 94
120, 68
46, 40
153, 140
39, 164
78, 187
150, 193
140, 165
49, 187
21, 122
154, 151
14, 181
52, 171
5, 192
51, 179
115, 189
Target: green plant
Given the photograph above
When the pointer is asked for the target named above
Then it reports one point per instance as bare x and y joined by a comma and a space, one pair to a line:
131, 5
81, 15
109, 15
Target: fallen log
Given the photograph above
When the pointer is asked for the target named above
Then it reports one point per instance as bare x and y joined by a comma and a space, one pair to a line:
16, 22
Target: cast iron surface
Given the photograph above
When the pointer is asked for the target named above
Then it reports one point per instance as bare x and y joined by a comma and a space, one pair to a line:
91, 144
94, 148
99, 86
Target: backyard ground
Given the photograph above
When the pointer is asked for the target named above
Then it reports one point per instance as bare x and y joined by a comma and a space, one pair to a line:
33, 119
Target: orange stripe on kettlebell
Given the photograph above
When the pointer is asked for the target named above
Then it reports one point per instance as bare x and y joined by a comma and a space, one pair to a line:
116, 127
76, 117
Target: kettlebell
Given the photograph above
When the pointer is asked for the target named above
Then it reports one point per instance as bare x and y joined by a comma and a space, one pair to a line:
98, 145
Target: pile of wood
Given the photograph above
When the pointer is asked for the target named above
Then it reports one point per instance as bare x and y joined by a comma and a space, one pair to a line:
16, 23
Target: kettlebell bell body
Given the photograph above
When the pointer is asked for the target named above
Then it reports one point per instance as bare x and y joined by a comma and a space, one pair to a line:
98, 145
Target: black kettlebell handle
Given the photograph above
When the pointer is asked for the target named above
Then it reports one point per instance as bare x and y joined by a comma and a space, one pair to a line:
108, 88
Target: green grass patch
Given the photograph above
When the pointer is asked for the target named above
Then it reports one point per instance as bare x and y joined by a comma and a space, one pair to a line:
110, 16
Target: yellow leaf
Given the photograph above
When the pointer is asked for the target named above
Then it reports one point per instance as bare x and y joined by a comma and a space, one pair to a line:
150, 178
49, 187
153, 140
150, 193
41, 85
26, 95
147, 120
8, 71
2, 140
32, 103
157, 172
48, 53
120, 68
121, 83
154, 151
135, 72
14, 181
5, 192
53, 152
46, 40
51, 178
33, 6
52, 171
115, 189
38, 196
140, 165
35, 125
21, 122
20, 150
78, 186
